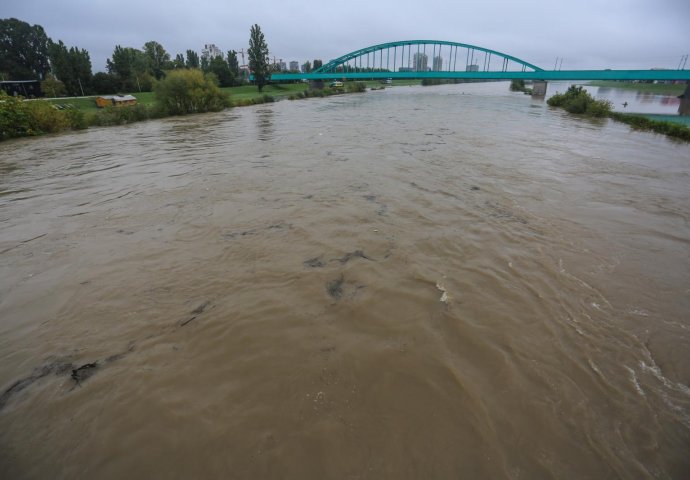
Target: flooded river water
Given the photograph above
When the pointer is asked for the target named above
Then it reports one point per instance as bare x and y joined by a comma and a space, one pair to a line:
448, 282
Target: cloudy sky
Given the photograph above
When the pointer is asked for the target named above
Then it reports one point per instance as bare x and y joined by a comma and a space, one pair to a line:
585, 33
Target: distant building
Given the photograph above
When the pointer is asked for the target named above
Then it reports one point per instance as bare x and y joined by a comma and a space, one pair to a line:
472, 68
420, 62
282, 66
438, 64
210, 51
294, 65
405, 69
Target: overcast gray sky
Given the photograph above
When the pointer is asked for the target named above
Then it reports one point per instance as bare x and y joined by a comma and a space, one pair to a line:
585, 33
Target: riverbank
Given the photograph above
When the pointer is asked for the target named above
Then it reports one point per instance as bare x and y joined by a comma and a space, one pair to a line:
239, 96
20, 118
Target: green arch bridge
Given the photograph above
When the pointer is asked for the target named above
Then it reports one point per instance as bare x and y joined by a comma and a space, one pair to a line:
449, 60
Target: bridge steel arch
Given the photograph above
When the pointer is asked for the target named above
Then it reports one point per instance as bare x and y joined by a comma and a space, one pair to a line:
348, 63
352, 66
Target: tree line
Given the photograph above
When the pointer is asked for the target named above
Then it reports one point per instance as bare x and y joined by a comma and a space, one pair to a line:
27, 53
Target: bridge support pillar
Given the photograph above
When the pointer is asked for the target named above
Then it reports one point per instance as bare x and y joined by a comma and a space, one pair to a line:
684, 107
539, 88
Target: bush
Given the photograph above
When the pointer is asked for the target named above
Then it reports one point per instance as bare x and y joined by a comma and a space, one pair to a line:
517, 85
189, 91
356, 87
52, 87
577, 100
599, 108
77, 119
123, 115
19, 118
45, 118
14, 118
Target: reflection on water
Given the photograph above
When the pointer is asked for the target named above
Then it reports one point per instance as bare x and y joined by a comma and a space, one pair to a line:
447, 282
264, 122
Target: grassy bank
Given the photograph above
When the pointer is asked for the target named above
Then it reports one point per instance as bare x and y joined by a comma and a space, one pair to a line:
242, 95
20, 118
658, 88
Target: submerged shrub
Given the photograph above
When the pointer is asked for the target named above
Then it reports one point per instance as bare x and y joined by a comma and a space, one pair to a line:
638, 122
599, 108
577, 100
189, 91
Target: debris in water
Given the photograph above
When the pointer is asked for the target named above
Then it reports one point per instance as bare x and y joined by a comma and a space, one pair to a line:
56, 367
82, 373
314, 263
196, 312
444, 297
201, 308
349, 256
335, 287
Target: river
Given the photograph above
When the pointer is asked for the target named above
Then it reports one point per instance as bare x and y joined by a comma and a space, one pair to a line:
446, 282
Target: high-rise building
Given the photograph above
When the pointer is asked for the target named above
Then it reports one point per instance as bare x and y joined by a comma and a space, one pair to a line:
210, 51
420, 62
438, 63
294, 65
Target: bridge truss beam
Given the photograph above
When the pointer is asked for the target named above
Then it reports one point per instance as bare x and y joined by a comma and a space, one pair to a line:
552, 75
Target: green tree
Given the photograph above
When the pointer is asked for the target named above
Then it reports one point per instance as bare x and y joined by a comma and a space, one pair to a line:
189, 91
258, 57
72, 67
157, 58
192, 59
317, 64
23, 50
219, 67
178, 62
103, 83
129, 65
234, 65
52, 87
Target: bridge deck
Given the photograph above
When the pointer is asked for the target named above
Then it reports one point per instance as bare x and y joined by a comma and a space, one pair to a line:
539, 75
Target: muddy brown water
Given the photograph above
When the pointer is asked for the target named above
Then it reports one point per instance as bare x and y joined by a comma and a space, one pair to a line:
454, 282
